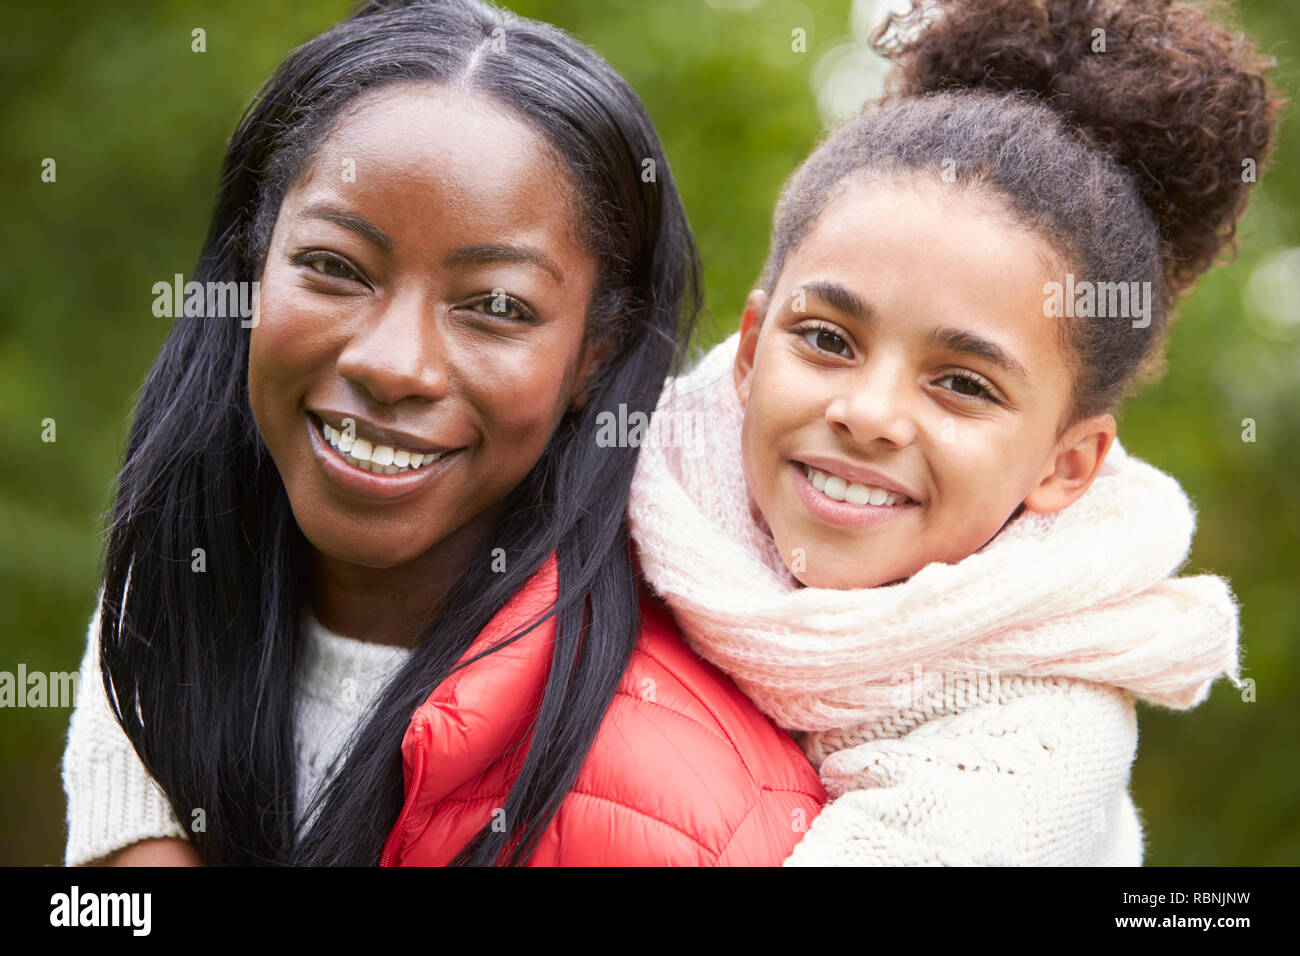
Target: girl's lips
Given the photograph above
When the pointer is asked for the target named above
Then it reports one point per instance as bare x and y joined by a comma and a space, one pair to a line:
842, 513
366, 484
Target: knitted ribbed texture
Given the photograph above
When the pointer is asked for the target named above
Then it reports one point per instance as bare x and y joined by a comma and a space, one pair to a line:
336, 682
114, 802
1035, 775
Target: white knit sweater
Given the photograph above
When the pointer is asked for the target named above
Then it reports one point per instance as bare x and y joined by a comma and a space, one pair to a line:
114, 802
1033, 772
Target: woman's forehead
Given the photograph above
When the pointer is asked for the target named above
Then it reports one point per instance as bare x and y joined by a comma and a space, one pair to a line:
455, 138
421, 162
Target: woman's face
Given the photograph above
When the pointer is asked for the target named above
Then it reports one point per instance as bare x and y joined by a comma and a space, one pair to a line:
905, 349
424, 294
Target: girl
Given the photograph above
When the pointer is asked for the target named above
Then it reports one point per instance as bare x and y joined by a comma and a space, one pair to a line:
368, 594
916, 542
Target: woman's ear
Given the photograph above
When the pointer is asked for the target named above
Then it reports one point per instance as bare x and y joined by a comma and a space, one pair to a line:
595, 355
750, 325
1074, 464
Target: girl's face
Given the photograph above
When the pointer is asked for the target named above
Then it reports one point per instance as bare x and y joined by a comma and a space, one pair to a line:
422, 283
905, 350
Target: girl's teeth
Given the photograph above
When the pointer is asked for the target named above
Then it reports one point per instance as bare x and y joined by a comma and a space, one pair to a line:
377, 459
836, 488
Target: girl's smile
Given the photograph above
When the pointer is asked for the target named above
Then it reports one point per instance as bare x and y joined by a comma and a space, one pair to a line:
828, 495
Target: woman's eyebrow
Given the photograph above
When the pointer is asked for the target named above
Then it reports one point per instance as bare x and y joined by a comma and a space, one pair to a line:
488, 252
347, 220
493, 252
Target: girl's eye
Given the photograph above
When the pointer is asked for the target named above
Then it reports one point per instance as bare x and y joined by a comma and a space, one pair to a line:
825, 340
970, 387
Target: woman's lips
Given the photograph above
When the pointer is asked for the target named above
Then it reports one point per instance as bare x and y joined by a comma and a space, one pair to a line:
841, 513
366, 484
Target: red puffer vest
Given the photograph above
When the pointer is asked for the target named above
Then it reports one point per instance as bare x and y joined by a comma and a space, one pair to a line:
683, 771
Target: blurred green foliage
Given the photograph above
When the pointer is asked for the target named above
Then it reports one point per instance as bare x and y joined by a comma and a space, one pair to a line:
137, 124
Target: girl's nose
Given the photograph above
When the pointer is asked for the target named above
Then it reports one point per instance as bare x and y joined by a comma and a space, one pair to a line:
872, 405
399, 352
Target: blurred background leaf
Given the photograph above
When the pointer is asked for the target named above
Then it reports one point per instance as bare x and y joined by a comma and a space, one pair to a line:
137, 123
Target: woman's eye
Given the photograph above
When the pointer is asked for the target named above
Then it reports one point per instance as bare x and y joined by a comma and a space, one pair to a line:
968, 387
501, 306
329, 266
826, 341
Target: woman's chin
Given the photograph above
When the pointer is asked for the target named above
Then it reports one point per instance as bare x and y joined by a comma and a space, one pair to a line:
360, 552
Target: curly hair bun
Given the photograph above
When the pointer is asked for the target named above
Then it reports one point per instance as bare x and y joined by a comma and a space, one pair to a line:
1178, 99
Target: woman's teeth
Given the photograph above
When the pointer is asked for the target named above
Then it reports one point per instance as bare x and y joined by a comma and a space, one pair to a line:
835, 487
379, 459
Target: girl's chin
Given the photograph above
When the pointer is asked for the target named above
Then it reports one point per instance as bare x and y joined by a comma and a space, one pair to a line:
830, 569
835, 582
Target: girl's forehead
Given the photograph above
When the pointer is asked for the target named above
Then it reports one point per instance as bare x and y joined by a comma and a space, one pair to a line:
919, 256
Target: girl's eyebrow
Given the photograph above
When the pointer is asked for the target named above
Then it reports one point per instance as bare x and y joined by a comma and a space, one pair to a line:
837, 297
954, 340
960, 340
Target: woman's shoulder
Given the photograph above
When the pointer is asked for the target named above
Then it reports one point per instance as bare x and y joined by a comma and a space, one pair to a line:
684, 770
686, 758
667, 683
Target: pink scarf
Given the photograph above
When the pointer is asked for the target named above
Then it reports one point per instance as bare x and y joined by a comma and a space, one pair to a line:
1086, 593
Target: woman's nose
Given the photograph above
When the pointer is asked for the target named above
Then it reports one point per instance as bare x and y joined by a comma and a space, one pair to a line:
399, 351
875, 403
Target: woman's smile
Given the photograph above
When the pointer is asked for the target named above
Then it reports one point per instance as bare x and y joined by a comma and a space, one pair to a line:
378, 472
425, 325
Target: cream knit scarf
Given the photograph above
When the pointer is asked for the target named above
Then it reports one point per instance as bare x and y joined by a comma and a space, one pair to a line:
1084, 593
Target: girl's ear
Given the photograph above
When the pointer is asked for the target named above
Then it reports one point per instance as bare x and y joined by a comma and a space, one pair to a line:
750, 325
1074, 464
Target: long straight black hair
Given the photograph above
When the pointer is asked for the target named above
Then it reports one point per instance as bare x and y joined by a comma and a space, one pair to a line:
198, 665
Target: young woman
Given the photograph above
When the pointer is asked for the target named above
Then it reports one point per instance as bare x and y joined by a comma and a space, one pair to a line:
368, 591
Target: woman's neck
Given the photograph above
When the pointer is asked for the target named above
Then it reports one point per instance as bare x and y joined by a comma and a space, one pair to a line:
391, 605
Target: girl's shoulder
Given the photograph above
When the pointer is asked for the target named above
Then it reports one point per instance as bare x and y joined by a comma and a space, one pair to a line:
1035, 772
969, 704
